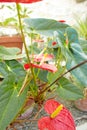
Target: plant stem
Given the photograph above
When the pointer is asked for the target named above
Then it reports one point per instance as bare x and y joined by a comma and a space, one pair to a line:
25, 46
25, 82
62, 76
22, 34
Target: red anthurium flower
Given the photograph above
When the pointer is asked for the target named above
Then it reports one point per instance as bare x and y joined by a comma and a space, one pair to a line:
60, 118
62, 21
39, 58
54, 43
20, 1
43, 66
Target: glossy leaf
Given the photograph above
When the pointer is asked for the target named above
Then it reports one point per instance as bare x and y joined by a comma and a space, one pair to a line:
43, 75
10, 103
53, 76
44, 26
16, 67
69, 91
10, 53
83, 44
12, 66
74, 55
3, 69
71, 35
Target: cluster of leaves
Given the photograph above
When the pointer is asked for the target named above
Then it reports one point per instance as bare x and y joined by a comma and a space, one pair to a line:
67, 49
12, 74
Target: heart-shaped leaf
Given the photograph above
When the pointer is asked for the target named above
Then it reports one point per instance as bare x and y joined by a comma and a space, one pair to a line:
13, 66
71, 35
3, 69
44, 26
53, 76
10, 53
10, 103
74, 55
69, 91
83, 44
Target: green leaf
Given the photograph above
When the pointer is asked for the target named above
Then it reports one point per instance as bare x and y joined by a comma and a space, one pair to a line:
45, 26
83, 44
10, 103
68, 91
71, 35
10, 53
9, 21
3, 69
43, 75
15, 67
74, 57
53, 76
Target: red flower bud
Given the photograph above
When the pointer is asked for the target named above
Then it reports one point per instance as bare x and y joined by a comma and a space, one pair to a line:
62, 21
27, 66
54, 43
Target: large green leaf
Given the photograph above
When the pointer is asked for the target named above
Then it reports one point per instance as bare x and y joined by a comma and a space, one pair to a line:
44, 26
74, 55
43, 75
10, 103
67, 90
3, 69
13, 66
10, 53
83, 44
53, 76
71, 35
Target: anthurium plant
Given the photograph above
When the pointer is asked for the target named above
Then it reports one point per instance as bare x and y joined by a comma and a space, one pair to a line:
54, 60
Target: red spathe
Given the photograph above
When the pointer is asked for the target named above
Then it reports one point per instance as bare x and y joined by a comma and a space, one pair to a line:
63, 121
20, 1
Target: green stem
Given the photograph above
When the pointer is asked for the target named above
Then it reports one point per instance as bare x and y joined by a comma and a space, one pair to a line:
24, 42
59, 57
21, 29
